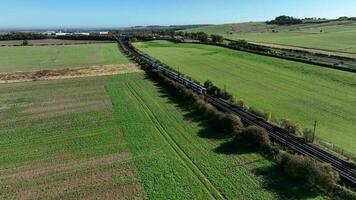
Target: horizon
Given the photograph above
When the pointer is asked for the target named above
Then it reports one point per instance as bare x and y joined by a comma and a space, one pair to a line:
112, 14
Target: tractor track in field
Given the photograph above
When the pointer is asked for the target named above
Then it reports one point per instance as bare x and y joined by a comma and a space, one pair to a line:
204, 181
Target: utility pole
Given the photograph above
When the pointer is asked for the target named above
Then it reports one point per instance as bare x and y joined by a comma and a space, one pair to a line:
315, 123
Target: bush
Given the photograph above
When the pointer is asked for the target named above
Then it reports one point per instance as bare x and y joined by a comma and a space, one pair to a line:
216, 91
240, 103
255, 138
341, 193
264, 115
308, 135
203, 37
290, 126
308, 171
25, 43
217, 39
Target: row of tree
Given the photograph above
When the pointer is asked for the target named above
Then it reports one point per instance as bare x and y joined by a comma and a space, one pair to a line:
22, 36
285, 20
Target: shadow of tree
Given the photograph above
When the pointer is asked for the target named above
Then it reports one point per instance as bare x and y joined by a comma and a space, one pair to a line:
271, 175
283, 186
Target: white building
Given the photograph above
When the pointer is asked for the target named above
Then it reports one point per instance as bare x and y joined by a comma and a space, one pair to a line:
62, 34
104, 33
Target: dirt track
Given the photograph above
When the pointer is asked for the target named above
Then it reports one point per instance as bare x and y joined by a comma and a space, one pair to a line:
67, 73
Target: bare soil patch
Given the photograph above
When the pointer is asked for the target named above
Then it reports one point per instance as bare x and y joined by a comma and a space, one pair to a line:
67, 73
50, 42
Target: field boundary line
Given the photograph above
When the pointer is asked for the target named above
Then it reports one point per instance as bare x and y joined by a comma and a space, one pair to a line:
213, 192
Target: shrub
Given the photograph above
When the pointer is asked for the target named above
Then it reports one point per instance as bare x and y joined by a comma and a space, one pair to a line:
25, 43
341, 193
308, 135
290, 126
203, 37
254, 137
258, 113
217, 38
240, 103
307, 170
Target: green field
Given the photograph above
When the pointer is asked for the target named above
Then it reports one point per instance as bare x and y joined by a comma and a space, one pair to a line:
120, 137
59, 140
293, 90
339, 36
54, 57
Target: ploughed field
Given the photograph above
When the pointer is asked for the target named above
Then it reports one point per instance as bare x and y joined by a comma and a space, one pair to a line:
338, 36
32, 58
300, 92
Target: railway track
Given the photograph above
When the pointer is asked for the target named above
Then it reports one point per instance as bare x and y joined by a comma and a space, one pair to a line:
345, 169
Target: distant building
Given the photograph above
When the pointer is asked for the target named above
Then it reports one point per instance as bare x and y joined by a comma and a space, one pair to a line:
79, 33
62, 34
104, 33
49, 33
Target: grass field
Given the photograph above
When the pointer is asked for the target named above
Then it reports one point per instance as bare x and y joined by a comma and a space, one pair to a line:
120, 137
301, 92
339, 36
54, 57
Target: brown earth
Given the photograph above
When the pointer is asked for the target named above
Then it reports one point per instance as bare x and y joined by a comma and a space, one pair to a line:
67, 73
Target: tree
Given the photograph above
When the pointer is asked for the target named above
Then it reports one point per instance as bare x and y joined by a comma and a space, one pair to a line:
285, 20
203, 37
290, 126
254, 137
307, 170
133, 39
217, 38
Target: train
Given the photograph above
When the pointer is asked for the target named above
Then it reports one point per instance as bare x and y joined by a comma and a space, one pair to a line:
174, 76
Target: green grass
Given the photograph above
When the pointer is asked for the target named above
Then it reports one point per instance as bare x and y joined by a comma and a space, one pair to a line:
121, 136
293, 90
335, 36
54, 57
163, 135
174, 159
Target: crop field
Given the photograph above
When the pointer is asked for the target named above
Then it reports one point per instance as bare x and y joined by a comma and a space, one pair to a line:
339, 36
59, 140
57, 57
118, 137
303, 93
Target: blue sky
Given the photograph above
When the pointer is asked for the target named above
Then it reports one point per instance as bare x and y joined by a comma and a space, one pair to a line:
123, 13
